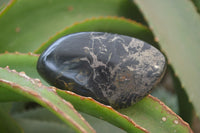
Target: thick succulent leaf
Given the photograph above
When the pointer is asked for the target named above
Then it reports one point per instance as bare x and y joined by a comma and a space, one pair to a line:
6, 106
98, 124
21, 62
11, 96
101, 111
36, 126
197, 4
5, 5
43, 115
105, 24
176, 24
29, 23
157, 116
8, 124
39, 114
186, 109
46, 96
150, 111
169, 98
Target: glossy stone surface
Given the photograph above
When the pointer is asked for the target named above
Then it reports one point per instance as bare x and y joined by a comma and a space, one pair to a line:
114, 69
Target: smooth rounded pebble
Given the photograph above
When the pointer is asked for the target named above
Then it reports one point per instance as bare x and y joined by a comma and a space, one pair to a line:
114, 69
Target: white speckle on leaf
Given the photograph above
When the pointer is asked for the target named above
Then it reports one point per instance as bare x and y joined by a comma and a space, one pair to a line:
175, 121
164, 118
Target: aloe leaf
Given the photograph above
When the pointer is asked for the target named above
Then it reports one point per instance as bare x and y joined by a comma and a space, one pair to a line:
5, 5
197, 4
6, 106
104, 24
43, 115
149, 112
185, 106
99, 123
101, 111
39, 114
21, 62
169, 98
35, 126
29, 23
8, 124
46, 96
155, 116
177, 29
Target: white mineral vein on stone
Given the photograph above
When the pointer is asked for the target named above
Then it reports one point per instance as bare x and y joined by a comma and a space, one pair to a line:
109, 57
130, 68
103, 49
95, 62
99, 38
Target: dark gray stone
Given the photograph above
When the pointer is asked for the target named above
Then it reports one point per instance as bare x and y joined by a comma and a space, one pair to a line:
114, 69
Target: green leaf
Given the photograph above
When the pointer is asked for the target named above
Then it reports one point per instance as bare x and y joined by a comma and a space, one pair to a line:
177, 27
197, 4
43, 115
39, 114
36, 126
5, 5
21, 63
150, 113
30, 23
105, 24
98, 124
6, 106
11, 96
169, 98
100, 111
8, 124
46, 96
153, 115
186, 109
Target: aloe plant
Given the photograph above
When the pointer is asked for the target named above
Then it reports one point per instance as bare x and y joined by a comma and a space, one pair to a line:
29, 104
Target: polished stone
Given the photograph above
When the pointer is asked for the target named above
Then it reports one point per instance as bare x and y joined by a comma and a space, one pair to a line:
114, 69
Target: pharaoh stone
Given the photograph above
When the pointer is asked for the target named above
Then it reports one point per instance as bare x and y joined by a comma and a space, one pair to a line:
114, 69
